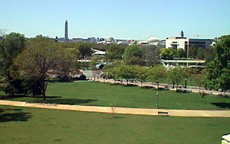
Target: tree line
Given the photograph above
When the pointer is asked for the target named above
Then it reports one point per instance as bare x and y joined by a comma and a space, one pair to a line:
157, 74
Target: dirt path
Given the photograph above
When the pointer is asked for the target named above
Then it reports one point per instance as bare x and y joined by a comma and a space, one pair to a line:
120, 110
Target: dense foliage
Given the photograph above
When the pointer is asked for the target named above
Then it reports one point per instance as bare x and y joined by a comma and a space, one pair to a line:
218, 70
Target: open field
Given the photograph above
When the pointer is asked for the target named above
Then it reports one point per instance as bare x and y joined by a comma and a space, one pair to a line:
29, 125
102, 94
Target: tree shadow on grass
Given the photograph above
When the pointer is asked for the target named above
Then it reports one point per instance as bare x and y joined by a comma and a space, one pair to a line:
49, 99
8, 115
116, 84
6, 97
223, 105
130, 85
147, 87
65, 101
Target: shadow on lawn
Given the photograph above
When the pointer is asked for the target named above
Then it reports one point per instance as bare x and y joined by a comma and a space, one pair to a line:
222, 105
130, 85
65, 101
49, 99
5, 97
7, 115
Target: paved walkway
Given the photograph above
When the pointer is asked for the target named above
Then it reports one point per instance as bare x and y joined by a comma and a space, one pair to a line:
149, 84
119, 110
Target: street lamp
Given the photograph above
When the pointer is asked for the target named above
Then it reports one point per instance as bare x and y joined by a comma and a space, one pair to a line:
157, 101
185, 83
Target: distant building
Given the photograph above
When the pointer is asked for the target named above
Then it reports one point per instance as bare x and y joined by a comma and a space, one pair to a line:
162, 43
92, 39
108, 41
152, 41
185, 43
66, 31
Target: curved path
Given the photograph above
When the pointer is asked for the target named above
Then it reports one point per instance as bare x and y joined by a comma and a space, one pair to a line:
119, 110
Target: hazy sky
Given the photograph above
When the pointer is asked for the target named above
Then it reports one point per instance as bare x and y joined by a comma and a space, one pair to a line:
128, 19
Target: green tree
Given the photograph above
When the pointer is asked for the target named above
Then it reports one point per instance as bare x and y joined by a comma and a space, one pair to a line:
133, 55
41, 55
135, 61
192, 51
84, 49
201, 53
156, 74
67, 64
111, 72
181, 53
93, 62
210, 54
217, 75
151, 55
174, 74
197, 75
166, 53
115, 52
126, 72
10, 46
141, 73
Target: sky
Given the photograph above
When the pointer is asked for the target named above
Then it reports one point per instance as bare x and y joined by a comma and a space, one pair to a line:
121, 19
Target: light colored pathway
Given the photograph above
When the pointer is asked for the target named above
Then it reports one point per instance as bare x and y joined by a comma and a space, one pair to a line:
119, 110
149, 84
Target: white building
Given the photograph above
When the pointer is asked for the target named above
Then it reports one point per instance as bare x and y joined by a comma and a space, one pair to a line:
179, 42
185, 43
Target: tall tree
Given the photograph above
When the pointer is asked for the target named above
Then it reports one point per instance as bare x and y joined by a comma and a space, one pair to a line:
181, 53
67, 64
141, 73
175, 75
126, 72
84, 49
217, 75
133, 55
10, 46
41, 55
192, 51
151, 55
115, 52
201, 53
156, 74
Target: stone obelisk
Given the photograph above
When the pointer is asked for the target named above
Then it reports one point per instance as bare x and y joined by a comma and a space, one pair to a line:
66, 31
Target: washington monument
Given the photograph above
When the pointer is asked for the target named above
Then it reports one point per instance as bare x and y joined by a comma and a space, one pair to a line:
66, 31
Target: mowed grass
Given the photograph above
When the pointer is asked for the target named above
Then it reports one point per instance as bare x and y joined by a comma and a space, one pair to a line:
104, 94
29, 125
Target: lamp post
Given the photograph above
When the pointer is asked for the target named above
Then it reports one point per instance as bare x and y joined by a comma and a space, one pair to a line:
157, 101
185, 83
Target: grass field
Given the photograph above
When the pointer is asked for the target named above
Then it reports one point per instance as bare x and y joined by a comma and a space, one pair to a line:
102, 94
29, 125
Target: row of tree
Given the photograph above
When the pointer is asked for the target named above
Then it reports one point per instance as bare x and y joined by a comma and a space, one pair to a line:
154, 74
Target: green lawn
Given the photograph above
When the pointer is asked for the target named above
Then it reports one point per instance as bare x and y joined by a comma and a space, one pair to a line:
103, 94
29, 125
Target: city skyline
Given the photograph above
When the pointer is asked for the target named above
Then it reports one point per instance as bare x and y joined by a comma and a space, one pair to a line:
131, 19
